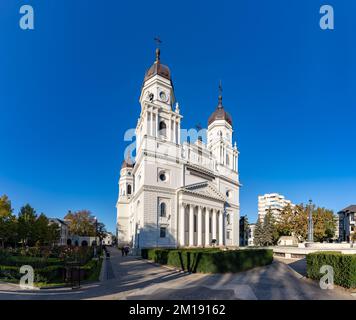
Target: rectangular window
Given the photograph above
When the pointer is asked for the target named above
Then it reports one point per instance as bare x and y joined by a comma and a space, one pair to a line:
162, 232
228, 235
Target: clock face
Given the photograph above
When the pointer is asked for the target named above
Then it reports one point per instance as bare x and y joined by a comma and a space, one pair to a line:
163, 96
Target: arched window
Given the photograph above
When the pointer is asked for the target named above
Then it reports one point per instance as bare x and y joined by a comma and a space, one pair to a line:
228, 219
162, 128
163, 210
129, 189
227, 160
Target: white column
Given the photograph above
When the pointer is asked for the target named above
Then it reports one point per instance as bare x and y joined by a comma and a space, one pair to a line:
200, 227
191, 225
178, 132
207, 236
169, 135
221, 228
156, 125
214, 224
151, 123
182, 225
175, 131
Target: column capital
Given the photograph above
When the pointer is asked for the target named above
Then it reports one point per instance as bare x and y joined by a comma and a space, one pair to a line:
184, 204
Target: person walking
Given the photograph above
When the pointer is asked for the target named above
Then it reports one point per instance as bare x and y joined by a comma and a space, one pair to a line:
126, 250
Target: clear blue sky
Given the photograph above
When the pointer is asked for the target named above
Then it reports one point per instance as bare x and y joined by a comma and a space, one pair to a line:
70, 88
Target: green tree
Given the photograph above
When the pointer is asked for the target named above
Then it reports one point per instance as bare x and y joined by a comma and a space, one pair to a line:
26, 225
258, 234
7, 221
286, 221
81, 223
41, 228
101, 231
270, 233
53, 233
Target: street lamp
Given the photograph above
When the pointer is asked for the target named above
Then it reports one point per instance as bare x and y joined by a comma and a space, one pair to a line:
96, 236
310, 223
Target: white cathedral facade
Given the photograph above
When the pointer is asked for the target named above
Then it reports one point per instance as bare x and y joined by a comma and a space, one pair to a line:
178, 193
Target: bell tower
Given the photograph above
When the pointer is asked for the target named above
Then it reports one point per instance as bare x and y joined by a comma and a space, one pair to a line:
220, 136
159, 118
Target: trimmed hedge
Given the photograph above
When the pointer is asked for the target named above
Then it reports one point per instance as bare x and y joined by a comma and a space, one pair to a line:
35, 262
344, 266
211, 260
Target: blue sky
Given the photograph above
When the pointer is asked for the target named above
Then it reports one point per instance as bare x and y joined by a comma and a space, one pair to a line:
69, 90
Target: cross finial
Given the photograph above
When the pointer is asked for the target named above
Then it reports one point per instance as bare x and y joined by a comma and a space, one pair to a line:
220, 95
158, 51
158, 41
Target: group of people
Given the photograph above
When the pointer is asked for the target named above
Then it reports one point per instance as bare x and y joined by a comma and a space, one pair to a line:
125, 250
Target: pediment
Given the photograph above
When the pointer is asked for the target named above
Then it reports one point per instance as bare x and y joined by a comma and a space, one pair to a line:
205, 189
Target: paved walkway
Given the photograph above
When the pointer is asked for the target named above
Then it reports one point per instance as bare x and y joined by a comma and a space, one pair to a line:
131, 278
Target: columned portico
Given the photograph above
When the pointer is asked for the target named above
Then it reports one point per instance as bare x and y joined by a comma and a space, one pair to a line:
199, 224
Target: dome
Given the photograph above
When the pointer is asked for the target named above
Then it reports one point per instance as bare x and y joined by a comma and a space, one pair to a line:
220, 114
127, 163
158, 69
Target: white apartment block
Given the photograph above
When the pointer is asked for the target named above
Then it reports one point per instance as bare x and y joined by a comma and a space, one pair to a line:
273, 201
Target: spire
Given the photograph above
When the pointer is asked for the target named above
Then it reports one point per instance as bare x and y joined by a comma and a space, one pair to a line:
220, 106
158, 51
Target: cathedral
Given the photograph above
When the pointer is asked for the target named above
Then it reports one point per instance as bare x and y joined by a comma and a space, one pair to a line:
178, 192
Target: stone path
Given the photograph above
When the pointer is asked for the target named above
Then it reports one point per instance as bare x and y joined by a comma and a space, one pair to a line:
132, 278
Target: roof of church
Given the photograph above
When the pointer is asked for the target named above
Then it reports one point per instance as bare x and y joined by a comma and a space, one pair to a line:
158, 68
127, 163
220, 114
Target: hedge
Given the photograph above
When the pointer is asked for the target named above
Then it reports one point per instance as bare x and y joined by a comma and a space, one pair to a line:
53, 273
344, 266
35, 262
210, 260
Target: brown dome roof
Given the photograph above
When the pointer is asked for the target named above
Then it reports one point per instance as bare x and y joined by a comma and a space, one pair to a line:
158, 69
127, 163
220, 114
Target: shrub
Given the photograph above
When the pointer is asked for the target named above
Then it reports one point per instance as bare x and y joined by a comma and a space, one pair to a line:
344, 266
210, 260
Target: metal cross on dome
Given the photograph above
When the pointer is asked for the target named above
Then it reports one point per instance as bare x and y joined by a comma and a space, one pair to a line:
158, 41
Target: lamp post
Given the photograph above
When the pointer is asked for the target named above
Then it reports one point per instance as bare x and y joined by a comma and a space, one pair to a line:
96, 236
310, 223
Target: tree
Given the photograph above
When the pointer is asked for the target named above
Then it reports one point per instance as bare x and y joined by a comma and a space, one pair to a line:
258, 234
53, 233
41, 228
286, 222
324, 224
270, 234
26, 225
81, 223
7, 221
101, 231
294, 221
